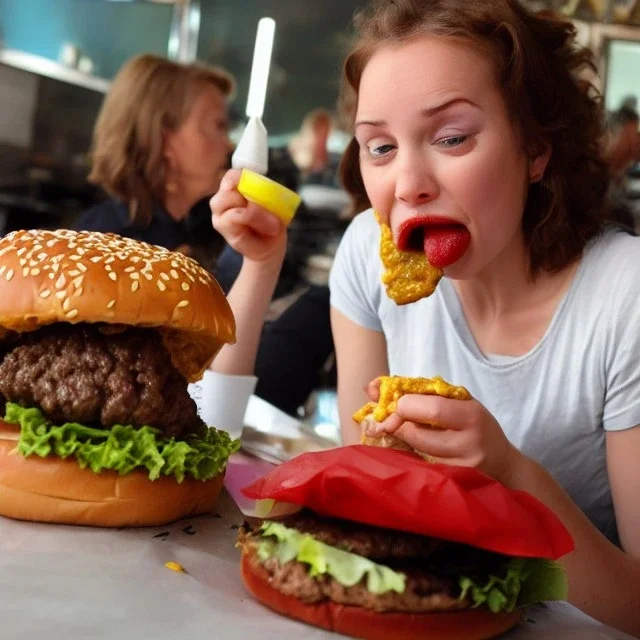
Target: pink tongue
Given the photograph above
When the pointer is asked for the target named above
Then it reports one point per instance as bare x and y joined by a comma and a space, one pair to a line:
445, 244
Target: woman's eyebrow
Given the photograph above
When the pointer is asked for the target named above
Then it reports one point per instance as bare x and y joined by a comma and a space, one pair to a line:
428, 112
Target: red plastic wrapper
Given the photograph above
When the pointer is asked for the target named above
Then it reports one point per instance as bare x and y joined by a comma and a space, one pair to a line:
399, 490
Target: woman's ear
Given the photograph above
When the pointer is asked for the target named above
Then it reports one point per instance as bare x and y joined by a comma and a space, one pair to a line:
538, 164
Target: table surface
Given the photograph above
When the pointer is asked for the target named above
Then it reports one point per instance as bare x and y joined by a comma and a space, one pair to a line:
80, 582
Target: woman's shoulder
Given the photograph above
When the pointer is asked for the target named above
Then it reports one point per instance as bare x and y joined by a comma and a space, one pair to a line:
364, 226
611, 266
108, 216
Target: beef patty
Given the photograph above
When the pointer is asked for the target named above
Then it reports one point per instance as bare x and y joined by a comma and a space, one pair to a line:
98, 375
431, 566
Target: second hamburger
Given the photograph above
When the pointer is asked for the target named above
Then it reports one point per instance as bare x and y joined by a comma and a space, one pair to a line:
99, 337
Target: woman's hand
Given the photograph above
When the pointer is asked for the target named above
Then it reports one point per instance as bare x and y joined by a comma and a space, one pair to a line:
259, 236
459, 432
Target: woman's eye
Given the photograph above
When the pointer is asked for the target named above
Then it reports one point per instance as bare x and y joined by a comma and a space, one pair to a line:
453, 141
382, 150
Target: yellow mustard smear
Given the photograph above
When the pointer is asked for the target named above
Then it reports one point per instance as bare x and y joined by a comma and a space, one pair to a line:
392, 388
175, 566
408, 275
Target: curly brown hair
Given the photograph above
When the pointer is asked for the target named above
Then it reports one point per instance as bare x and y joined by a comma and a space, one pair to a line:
541, 70
149, 96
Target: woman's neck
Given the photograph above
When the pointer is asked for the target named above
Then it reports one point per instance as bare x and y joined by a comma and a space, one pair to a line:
507, 310
178, 205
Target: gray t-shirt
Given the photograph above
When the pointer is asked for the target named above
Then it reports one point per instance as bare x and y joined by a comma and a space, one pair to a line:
555, 402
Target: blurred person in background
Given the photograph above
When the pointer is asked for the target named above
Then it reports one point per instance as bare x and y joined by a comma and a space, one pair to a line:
622, 149
160, 147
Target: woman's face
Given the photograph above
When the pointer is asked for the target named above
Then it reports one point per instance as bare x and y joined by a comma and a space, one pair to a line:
438, 151
198, 150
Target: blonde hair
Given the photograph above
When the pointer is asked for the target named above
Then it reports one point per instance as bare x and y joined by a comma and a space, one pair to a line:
149, 96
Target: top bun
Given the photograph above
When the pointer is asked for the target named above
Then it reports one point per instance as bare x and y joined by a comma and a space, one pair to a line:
81, 276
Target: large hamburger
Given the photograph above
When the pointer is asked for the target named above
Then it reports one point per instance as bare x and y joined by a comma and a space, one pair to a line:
99, 337
376, 543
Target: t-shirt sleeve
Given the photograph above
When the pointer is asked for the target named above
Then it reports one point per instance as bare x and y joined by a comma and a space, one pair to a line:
355, 275
622, 366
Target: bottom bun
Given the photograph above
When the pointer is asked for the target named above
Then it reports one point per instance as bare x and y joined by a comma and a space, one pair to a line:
469, 624
55, 490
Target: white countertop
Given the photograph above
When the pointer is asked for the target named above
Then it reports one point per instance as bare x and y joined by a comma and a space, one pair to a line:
79, 583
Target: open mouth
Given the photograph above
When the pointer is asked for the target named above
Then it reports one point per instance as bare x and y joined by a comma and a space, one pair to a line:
412, 232
442, 240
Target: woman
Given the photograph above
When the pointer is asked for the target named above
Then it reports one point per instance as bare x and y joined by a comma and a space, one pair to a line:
160, 146
477, 142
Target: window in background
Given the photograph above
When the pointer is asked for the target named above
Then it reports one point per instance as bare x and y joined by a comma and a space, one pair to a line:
623, 72
104, 34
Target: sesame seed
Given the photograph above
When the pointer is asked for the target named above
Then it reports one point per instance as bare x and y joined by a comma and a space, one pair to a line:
22, 262
25, 272
82, 267
52, 276
107, 267
51, 243
164, 276
112, 303
135, 285
33, 263
35, 271
20, 251
162, 286
45, 294
60, 282
78, 292
2, 269
182, 304
61, 294
96, 259
129, 269
66, 304
113, 276
185, 286
174, 264
77, 282
75, 258
134, 276
74, 273
147, 275
72, 314
42, 256
174, 274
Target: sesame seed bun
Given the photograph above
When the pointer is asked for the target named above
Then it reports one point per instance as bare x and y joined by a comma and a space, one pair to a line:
68, 276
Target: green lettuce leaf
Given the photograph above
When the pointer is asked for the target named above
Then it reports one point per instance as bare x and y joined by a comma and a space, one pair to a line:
123, 448
518, 581
344, 567
523, 582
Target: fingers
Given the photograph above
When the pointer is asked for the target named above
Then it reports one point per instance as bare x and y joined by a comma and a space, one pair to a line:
445, 413
444, 444
231, 211
230, 180
373, 389
390, 425
226, 200
258, 220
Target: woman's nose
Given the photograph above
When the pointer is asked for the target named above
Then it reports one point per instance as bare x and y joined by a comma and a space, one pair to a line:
415, 182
